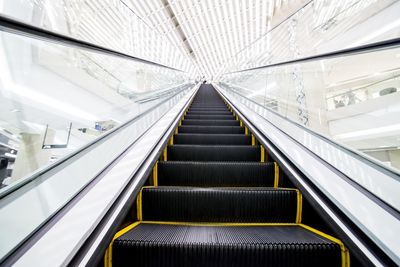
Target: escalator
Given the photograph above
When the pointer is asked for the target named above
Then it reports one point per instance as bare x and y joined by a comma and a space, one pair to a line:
215, 199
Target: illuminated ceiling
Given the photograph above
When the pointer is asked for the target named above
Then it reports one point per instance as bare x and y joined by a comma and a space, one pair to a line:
209, 32
202, 37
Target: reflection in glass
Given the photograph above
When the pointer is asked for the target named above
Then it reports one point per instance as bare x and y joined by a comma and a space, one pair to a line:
55, 99
353, 100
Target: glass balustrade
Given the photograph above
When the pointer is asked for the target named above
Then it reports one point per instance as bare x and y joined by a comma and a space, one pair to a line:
353, 100
56, 98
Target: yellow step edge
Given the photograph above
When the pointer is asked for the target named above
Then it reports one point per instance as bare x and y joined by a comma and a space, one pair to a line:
139, 213
299, 206
108, 254
218, 224
253, 140
344, 251
262, 154
276, 177
155, 174
246, 130
165, 153
345, 255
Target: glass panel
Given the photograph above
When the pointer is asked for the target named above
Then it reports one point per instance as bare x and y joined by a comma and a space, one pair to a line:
322, 26
352, 100
112, 24
55, 99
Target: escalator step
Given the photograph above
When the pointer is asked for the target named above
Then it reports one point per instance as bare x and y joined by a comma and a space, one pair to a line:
209, 117
212, 139
213, 153
204, 104
212, 174
235, 205
208, 108
211, 129
211, 122
163, 245
222, 112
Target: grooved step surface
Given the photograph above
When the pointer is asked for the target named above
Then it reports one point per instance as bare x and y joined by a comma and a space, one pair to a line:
178, 245
214, 181
213, 153
211, 122
212, 174
235, 205
222, 112
211, 129
212, 139
209, 117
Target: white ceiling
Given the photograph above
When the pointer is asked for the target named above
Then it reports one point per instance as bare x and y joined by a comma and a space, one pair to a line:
209, 32
201, 37
197, 36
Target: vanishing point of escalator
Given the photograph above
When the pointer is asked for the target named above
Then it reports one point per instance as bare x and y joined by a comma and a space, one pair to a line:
216, 201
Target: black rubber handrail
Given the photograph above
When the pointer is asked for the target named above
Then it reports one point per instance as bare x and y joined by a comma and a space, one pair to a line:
343, 52
14, 26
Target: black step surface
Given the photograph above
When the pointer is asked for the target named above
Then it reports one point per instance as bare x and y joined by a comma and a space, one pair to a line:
161, 245
207, 109
213, 153
211, 122
213, 174
204, 112
212, 139
209, 117
211, 129
235, 205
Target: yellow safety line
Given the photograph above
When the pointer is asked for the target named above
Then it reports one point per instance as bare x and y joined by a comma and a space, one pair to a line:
165, 153
262, 154
108, 254
253, 140
219, 224
241, 123
176, 130
276, 177
171, 140
344, 251
299, 206
139, 205
246, 130
155, 174
237, 118
345, 255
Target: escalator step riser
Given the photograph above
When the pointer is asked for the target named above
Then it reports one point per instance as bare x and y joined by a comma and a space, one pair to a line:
213, 153
212, 246
205, 105
208, 110
214, 174
209, 113
212, 139
211, 129
209, 117
211, 122
235, 205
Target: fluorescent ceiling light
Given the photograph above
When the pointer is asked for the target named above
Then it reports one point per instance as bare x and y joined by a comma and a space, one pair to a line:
367, 132
375, 34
